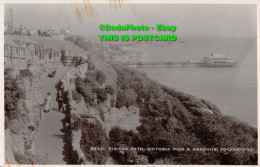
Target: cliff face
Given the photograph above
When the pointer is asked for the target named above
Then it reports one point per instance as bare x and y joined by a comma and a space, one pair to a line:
39, 56
21, 51
20, 133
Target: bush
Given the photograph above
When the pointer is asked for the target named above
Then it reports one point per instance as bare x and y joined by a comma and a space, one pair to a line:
118, 135
110, 90
90, 79
26, 73
94, 136
125, 98
100, 77
84, 90
95, 78
90, 85
121, 99
101, 94
13, 94
76, 96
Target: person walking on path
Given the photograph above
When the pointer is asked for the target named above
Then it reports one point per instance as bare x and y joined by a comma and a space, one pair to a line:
47, 103
59, 99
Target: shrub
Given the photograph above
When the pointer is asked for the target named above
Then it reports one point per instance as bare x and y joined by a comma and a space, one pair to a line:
76, 96
116, 135
94, 136
90, 79
100, 77
125, 98
121, 99
95, 78
13, 94
88, 86
26, 73
110, 90
101, 94
84, 90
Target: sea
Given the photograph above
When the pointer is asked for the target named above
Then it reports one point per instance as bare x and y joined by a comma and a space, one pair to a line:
232, 89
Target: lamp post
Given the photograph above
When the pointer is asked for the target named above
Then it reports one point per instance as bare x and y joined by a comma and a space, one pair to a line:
11, 11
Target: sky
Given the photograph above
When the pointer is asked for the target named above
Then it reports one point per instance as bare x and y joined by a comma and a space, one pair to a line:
193, 21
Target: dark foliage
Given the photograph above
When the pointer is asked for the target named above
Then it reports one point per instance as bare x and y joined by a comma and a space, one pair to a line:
100, 77
26, 73
94, 136
125, 98
172, 119
89, 86
110, 90
83, 89
13, 94
76, 96
101, 94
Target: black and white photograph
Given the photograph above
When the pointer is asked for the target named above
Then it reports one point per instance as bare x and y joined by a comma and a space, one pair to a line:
121, 83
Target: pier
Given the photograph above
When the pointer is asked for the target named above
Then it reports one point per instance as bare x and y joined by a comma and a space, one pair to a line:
177, 64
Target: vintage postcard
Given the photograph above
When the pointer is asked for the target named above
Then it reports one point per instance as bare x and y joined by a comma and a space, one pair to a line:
129, 83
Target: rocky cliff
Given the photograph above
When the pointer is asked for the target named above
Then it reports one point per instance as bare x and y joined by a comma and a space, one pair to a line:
20, 133
39, 56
